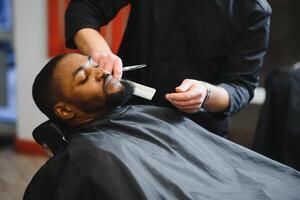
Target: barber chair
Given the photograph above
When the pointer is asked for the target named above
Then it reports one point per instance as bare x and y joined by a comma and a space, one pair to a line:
278, 130
50, 136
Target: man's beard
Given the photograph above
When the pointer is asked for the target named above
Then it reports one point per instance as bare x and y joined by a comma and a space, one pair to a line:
121, 97
110, 102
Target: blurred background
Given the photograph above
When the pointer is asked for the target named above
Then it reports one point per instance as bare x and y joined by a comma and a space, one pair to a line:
31, 31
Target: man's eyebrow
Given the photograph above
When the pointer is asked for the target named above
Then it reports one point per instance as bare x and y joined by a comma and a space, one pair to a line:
88, 63
77, 71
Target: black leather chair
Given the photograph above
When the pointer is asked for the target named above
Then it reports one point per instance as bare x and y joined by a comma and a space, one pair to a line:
50, 136
278, 130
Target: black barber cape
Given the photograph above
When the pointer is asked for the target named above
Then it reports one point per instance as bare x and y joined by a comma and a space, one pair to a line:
146, 152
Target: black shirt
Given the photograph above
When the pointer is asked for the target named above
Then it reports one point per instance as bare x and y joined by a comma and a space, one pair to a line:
222, 42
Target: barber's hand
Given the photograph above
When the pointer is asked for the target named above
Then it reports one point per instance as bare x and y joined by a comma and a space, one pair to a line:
110, 63
189, 96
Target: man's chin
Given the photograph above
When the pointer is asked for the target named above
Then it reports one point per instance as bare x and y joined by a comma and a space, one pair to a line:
121, 97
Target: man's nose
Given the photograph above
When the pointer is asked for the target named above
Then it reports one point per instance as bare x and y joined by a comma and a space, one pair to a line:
100, 73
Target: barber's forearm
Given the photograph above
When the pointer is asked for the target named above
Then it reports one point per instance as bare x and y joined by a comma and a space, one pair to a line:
218, 100
90, 42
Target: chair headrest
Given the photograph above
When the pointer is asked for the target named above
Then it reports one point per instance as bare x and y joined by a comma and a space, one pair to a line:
51, 135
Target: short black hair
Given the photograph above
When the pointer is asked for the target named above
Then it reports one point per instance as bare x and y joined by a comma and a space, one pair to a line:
45, 90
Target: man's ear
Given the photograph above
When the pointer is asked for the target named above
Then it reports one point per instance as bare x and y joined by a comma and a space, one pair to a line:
64, 110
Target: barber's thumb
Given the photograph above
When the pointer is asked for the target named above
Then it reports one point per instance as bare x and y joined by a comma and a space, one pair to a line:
185, 85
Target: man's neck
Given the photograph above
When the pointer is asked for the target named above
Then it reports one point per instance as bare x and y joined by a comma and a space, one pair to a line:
80, 119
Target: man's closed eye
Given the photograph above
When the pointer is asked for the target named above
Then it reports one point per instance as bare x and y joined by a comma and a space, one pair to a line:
82, 77
83, 81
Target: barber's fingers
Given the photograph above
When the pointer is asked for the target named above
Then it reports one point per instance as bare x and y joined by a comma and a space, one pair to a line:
118, 68
189, 96
185, 85
192, 102
188, 106
183, 96
191, 89
110, 63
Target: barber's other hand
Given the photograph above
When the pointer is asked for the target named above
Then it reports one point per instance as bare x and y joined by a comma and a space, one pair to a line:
110, 63
189, 96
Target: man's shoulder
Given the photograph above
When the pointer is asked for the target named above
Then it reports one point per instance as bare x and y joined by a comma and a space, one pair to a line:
42, 183
83, 158
86, 147
72, 168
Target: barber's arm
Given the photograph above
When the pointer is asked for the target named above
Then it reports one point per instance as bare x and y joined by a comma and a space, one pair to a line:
83, 19
240, 78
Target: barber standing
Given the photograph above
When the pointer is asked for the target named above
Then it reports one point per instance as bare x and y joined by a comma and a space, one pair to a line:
199, 53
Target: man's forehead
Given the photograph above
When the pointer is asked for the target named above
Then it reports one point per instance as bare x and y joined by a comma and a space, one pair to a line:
74, 59
66, 67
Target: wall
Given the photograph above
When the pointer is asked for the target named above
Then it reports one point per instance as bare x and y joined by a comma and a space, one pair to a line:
30, 43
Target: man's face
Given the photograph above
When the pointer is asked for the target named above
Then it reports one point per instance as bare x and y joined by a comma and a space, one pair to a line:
84, 85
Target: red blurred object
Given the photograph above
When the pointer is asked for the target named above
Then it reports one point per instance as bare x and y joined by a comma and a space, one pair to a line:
113, 32
29, 147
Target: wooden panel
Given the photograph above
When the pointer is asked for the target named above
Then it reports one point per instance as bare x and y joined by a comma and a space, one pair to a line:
16, 170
